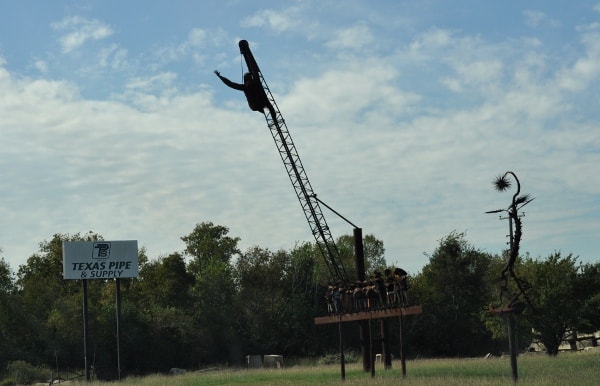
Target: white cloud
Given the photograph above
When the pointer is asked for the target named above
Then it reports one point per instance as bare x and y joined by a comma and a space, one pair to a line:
288, 19
197, 37
194, 46
534, 18
357, 37
382, 141
41, 66
586, 68
484, 74
432, 39
80, 30
160, 81
113, 57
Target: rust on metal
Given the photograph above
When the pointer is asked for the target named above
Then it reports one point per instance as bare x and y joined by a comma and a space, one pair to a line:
366, 315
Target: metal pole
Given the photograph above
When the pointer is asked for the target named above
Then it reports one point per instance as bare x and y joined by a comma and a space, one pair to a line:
385, 349
365, 331
359, 253
512, 338
510, 319
402, 358
85, 330
371, 354
512, 346
342, 359
118, 309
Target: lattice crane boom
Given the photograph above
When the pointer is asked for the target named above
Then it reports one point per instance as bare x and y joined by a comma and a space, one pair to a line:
293, 165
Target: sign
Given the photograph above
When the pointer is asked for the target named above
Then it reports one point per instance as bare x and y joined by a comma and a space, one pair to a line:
100, 259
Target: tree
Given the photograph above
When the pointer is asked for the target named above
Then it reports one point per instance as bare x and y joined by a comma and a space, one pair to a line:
496, 324
454, 292
374, 253
51, 307
262, 298
207, 245
46, 299
165, 282
587, 288
7, 284
211, 252
305, 301
7, 314
566, 297
278, 299
156, 313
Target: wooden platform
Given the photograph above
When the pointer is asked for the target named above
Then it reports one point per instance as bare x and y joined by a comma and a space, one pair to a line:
378, 314
507, 309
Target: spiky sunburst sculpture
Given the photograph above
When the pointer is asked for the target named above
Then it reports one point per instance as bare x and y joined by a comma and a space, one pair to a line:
503, 183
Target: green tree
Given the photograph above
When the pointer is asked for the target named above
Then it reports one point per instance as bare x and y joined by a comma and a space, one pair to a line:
278, 300
211, 253
374, 253
497, 323
208, 245
565, 295
454, 292
262, 298
156, 315
587, 288
165, 282
7, 283
7, 316
305, 301
44, 296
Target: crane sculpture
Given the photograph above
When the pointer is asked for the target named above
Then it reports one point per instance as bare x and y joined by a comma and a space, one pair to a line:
260, 99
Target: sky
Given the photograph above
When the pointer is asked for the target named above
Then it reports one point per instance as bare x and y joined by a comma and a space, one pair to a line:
403, 113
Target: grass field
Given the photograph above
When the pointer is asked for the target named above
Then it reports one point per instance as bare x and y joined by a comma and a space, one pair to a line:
569, 368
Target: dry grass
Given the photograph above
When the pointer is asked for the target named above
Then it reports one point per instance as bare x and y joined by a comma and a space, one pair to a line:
581, 368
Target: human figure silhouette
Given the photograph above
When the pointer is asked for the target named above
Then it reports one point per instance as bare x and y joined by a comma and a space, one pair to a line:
401, 285
254, 91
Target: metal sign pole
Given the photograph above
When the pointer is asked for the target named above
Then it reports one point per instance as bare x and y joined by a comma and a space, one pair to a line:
85, 330
118, 307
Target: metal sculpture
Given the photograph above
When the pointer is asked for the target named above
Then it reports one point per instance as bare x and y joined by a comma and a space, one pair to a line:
515, 304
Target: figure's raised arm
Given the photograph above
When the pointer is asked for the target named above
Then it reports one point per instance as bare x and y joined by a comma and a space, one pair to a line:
229, 83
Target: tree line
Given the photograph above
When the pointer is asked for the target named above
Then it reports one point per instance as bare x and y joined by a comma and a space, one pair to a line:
214, 304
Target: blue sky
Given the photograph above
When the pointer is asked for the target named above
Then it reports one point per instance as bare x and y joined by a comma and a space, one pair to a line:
403, 112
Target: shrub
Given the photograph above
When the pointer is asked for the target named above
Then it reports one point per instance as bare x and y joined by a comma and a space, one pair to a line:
349, 357
23, 373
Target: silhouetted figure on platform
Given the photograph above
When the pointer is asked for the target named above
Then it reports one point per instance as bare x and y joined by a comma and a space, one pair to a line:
381, 290
401, 285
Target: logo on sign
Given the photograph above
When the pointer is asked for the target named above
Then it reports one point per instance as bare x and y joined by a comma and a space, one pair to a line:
101, 250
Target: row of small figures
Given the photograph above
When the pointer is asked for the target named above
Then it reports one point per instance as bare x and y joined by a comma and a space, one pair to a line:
375, 294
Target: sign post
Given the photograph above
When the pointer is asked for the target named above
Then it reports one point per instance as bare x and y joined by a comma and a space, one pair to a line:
86, 260
118, 307
85, 330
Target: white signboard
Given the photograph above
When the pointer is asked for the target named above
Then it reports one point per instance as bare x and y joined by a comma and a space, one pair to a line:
100, 259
